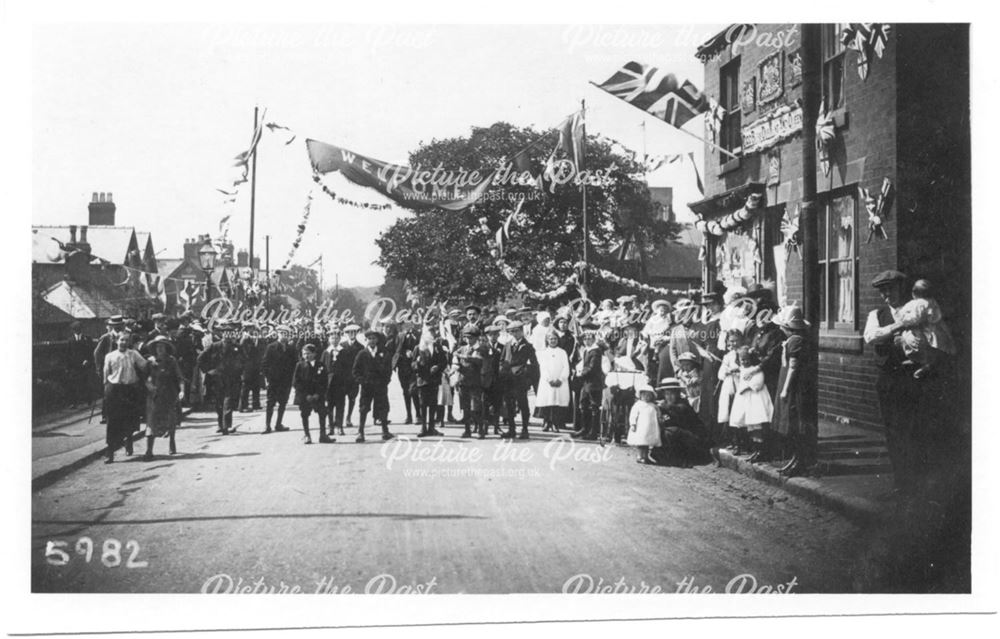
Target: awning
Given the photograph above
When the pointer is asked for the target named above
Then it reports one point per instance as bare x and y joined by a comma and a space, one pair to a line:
727, 201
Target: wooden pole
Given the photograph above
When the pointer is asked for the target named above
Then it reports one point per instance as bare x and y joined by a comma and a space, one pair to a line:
253, 186
583, 189
267, 265
811, 273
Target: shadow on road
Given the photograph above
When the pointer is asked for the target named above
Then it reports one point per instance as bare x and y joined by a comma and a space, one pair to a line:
173, 520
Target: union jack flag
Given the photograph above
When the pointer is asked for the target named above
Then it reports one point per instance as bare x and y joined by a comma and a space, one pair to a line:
657, 92
866, 38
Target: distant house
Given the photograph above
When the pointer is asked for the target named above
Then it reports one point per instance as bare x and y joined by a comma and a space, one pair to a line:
674, 266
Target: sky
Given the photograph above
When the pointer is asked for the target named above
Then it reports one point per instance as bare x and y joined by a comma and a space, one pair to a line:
155, 113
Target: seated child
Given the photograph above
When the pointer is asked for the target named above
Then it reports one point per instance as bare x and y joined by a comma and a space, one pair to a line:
684, 438
926, 337
690, 376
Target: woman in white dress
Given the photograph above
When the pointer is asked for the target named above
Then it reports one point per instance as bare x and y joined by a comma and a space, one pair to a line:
552, 399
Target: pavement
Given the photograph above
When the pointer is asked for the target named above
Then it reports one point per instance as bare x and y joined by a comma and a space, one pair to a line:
853, 474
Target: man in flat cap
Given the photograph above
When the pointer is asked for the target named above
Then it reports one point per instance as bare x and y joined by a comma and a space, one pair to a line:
518, 369
906, 404
352, 346
106, 344
469, 361
222, 362
493, 388
373, 370
278, 366
590, 373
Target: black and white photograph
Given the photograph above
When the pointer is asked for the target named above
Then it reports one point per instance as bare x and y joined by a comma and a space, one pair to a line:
552, 306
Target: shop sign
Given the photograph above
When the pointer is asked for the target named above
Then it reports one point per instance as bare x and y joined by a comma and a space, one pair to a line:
771, 129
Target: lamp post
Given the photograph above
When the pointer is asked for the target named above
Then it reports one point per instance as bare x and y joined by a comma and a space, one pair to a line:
207, 256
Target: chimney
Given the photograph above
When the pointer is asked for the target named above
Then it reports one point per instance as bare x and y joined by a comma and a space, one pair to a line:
72, 233
256, 263
83, 235
191, 248
242, 259
102, 210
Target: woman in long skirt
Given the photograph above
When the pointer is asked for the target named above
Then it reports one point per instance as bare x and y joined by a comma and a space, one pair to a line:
790, 417
166, 390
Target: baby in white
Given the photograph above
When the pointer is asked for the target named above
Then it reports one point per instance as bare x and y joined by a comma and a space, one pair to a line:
926, 336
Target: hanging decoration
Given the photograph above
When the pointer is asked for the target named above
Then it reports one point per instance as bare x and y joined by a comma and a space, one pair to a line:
877, 207
713, 119
300, 231
523, 289
317, 178
272, 126
630, 283
734, 220
826, 131
790, 231
867, 38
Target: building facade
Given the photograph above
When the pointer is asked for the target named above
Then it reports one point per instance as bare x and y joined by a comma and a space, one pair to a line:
893, 146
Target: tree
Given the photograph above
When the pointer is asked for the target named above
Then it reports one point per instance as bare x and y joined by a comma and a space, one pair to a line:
446, 255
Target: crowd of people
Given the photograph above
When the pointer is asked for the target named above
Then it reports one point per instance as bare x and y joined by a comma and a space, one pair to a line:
677, 380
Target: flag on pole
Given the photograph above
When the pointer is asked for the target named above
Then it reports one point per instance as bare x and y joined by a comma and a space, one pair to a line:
242, 158
571, 137
657, 92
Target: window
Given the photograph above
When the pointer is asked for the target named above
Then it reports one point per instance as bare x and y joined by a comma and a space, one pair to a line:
837, 226
833, 65
730, 137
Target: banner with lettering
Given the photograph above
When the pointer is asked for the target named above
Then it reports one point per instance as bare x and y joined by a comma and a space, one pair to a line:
414, 188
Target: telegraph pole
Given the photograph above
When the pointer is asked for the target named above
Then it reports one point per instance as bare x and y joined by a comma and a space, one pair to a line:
811, 90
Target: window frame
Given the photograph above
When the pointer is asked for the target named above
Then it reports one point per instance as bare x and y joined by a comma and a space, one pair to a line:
837, 56
729, 99
827, 263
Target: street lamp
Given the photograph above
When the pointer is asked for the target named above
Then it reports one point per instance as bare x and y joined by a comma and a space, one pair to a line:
207, 256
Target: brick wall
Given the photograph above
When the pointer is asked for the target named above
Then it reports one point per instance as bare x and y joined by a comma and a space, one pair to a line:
846, 372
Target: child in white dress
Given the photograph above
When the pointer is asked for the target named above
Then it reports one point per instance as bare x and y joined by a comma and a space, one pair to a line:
752, 406
644, 423
925, 336
729, 372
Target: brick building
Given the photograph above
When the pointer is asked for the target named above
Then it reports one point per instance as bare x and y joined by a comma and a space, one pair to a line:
900, 119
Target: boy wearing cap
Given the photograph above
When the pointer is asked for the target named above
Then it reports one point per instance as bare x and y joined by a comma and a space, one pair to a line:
590, 373
352, 346
518, 369
430, 361
469, 360
493, 389
372, 371
309, 381
278, 365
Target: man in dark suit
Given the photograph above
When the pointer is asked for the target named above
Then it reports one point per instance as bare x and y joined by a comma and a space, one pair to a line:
402, 347
429, 362
187, 347
590, 372
278, 365
223, 363
338, 362
353, 347
372, 371
250, 379
518, 368
160, 327
79, 365
310, 380
493, 388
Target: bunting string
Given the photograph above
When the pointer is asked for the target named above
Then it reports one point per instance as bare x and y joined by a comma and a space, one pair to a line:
300, 231
341, 200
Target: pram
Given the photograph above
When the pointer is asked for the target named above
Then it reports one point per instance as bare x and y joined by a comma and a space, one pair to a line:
619, 397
